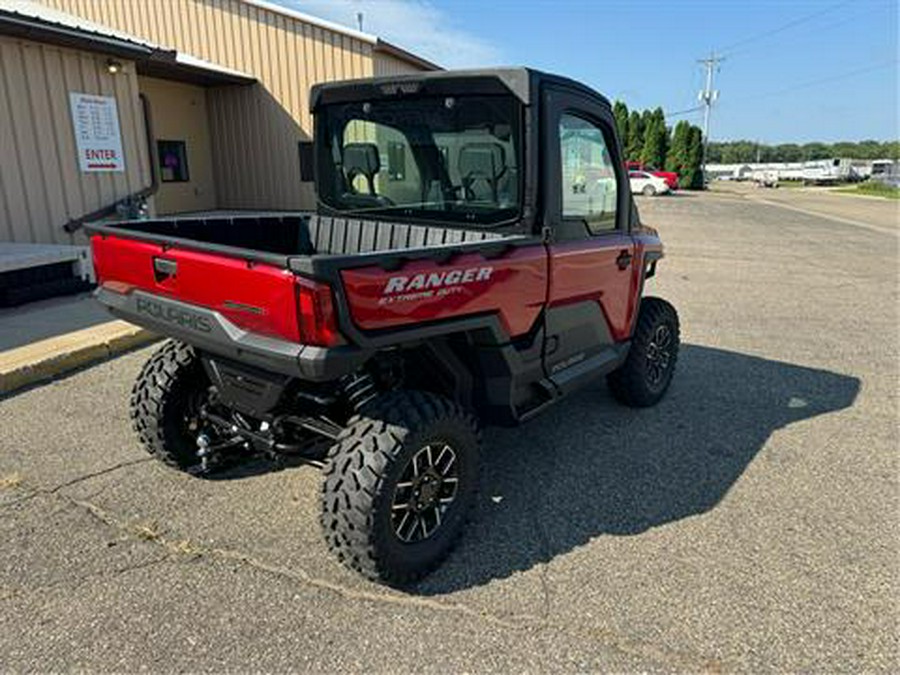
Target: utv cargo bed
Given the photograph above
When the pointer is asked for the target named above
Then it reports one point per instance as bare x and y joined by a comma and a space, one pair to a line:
277, 238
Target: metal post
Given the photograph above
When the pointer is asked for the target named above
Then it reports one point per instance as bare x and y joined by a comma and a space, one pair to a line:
707, 96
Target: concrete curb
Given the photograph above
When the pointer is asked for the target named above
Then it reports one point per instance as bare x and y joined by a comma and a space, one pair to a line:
46, 359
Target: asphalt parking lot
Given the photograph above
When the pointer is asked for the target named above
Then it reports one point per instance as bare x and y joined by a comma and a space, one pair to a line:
747, 523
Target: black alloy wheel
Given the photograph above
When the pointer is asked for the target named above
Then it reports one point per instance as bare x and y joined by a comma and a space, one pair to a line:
426, 489
659, 356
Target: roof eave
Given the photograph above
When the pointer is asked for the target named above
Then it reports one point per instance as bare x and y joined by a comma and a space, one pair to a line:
400, 53
166, 65
20, 26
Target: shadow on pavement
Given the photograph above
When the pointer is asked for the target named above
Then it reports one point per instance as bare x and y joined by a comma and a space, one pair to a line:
54, 317
590, 467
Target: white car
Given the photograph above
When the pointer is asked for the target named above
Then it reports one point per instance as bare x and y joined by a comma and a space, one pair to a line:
646, 184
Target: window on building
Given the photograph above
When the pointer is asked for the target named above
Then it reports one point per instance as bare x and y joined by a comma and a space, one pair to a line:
588, 176
173, 166
307, 161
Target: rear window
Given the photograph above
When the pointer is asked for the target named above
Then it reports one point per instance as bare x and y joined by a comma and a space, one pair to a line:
455, 159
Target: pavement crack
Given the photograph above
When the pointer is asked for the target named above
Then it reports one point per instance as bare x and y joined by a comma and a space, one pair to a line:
357, 594
27, 497
183, 549
95, 474
32, 492
72, 582
545, 589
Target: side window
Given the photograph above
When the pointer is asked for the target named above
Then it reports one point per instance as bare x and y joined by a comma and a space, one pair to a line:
588, 177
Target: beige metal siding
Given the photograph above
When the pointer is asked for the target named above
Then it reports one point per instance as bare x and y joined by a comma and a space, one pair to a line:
254, 130
385, 64
257, 158
179, 113
41, 186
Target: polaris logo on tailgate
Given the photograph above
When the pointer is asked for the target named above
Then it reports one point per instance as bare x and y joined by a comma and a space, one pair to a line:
432, 284
175, 315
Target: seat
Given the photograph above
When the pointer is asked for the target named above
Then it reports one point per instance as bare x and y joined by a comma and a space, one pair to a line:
362, 159
482, 166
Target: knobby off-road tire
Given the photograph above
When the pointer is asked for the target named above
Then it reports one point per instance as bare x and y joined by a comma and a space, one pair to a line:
366, 477
644, 377
161, 400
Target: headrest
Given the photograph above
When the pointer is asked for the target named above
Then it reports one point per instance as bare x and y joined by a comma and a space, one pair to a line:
482, 159
362, 158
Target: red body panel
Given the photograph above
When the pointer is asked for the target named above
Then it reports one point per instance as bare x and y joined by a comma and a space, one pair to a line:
587, 269
670, 177
255, 296
514, 289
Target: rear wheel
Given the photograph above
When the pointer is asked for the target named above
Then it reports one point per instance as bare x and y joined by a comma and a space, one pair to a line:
166, 401
648, 191
399, 484
644, 377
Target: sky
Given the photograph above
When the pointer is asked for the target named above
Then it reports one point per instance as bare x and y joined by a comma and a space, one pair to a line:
794, 70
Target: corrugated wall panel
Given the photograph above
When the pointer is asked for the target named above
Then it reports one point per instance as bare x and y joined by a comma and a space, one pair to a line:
41, 185
385, 64
255, 131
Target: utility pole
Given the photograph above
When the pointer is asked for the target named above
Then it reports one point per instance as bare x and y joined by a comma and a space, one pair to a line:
707, 97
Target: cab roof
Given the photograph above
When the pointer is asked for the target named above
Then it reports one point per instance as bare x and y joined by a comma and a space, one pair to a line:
523, 83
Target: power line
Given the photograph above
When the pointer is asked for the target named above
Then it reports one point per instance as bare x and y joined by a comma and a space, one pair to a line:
733, 48
823, 80
686, 111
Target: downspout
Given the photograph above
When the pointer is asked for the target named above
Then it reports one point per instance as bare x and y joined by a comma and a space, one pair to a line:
75, 224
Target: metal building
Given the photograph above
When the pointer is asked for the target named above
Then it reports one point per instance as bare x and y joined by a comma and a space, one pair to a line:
202, 103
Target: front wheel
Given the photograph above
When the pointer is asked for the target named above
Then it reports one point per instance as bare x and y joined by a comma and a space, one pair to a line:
644, 377
399, 484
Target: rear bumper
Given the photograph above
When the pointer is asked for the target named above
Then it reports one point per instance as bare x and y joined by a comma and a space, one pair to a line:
209, 331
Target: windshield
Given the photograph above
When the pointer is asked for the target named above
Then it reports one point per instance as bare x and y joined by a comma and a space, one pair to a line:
429, 158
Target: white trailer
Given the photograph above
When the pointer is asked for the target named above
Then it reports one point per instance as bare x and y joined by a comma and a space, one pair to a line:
833, 170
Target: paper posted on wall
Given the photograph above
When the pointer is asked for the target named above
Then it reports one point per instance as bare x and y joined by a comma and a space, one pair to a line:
97, 137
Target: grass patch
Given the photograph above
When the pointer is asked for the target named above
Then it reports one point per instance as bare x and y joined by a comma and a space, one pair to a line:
10, 481
148, 531
874, 189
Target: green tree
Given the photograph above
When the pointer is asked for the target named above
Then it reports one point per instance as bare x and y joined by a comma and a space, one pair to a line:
890, 150
816, 151
694, 172
847, 150
713, 151
733, 152
654, 147
677, 157
788, 152
635, 139
620, 113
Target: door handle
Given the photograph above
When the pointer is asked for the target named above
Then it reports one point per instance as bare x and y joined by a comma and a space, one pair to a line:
624, 259
164, 268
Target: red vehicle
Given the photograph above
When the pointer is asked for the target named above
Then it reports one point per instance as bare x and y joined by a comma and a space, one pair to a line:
475, 257
671, 177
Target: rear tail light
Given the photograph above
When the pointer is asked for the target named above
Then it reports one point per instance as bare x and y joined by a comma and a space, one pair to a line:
315, 314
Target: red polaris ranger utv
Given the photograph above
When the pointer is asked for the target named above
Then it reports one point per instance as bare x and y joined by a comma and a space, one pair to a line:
474, 257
